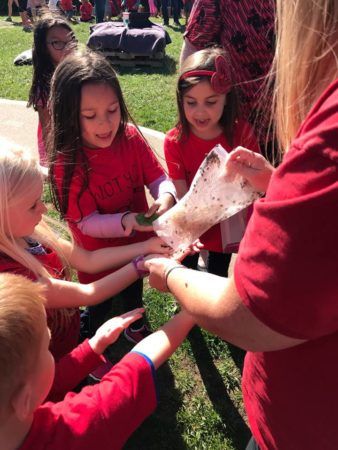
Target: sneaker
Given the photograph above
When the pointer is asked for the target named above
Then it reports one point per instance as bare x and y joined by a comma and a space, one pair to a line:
9, 19
27, 28
101, 371
136, 336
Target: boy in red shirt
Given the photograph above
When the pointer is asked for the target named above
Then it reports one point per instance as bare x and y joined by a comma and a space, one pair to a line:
86, 10
109, 411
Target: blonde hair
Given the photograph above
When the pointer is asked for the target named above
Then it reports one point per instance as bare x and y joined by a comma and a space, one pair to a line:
305, 62
19, 173
22, 324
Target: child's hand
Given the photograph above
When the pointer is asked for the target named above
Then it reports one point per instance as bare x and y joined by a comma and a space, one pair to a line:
161, 205
130, 224
109, 332
156, 245
195, 247
252, 166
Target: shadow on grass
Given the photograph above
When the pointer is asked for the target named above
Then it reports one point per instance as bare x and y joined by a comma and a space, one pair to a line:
168, 67
237, 430
161, 429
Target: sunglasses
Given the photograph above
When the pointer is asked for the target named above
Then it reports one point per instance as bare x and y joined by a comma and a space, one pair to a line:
60, 45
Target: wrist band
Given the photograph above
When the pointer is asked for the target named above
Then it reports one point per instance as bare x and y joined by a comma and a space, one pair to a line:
170, 193
124, 215
140, 272
168, 272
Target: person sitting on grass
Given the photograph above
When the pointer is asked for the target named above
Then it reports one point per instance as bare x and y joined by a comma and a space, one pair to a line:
68, 9
107, 412
86, 10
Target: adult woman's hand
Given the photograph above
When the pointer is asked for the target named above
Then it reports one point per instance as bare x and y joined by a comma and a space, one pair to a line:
251, 166
158, 268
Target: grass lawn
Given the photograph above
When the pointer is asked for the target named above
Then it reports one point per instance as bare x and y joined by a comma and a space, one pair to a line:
199, 388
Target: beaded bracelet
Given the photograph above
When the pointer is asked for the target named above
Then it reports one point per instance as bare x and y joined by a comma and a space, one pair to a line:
140, 272
168, 272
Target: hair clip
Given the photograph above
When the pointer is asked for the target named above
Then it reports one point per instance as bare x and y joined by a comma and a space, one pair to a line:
220, 80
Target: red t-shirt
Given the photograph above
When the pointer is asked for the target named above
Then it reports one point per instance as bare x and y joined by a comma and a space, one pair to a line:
117, 179
86, 10
245, 29
103, 415
67, 5
64, 338
286, 274
72, 368
185, 156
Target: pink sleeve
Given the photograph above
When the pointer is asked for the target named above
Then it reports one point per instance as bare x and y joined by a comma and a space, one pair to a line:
72, 369
162, 186
102, 225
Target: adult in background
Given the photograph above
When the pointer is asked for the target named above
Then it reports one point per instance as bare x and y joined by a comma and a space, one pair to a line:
10, 9
100, 6
174, 6
281, 304
245, 29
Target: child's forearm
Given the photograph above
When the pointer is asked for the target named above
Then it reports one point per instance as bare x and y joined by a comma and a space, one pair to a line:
66, 294
106, 258
161, 344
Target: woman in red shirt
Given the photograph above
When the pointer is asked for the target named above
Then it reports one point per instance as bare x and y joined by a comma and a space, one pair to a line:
281, 303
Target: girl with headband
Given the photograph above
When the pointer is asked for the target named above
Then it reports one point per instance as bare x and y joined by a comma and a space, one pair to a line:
207, 115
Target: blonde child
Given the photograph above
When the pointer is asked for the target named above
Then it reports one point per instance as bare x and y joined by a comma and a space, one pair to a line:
100, 166
30, 248
207, 109
53, 40
106, 413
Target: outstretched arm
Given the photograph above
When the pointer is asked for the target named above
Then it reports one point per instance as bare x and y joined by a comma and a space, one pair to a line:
161, 344
107, 258
214, 304
67, 294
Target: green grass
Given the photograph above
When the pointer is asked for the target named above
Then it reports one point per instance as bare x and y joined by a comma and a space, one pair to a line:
149, 92
199, 388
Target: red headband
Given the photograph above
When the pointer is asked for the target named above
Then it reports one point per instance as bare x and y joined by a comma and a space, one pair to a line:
220, 79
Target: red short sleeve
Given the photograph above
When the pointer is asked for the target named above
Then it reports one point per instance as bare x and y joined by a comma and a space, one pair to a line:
286, 271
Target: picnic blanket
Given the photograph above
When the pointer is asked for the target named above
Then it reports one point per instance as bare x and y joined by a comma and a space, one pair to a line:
115, 36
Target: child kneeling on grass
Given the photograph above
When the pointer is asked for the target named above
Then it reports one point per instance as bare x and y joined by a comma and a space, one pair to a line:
108, 412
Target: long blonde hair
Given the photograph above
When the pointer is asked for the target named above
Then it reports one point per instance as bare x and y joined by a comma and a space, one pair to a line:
19, 173
305, 62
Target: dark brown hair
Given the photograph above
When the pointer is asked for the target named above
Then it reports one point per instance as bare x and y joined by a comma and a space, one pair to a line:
205, 60
43, 67
64, 139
